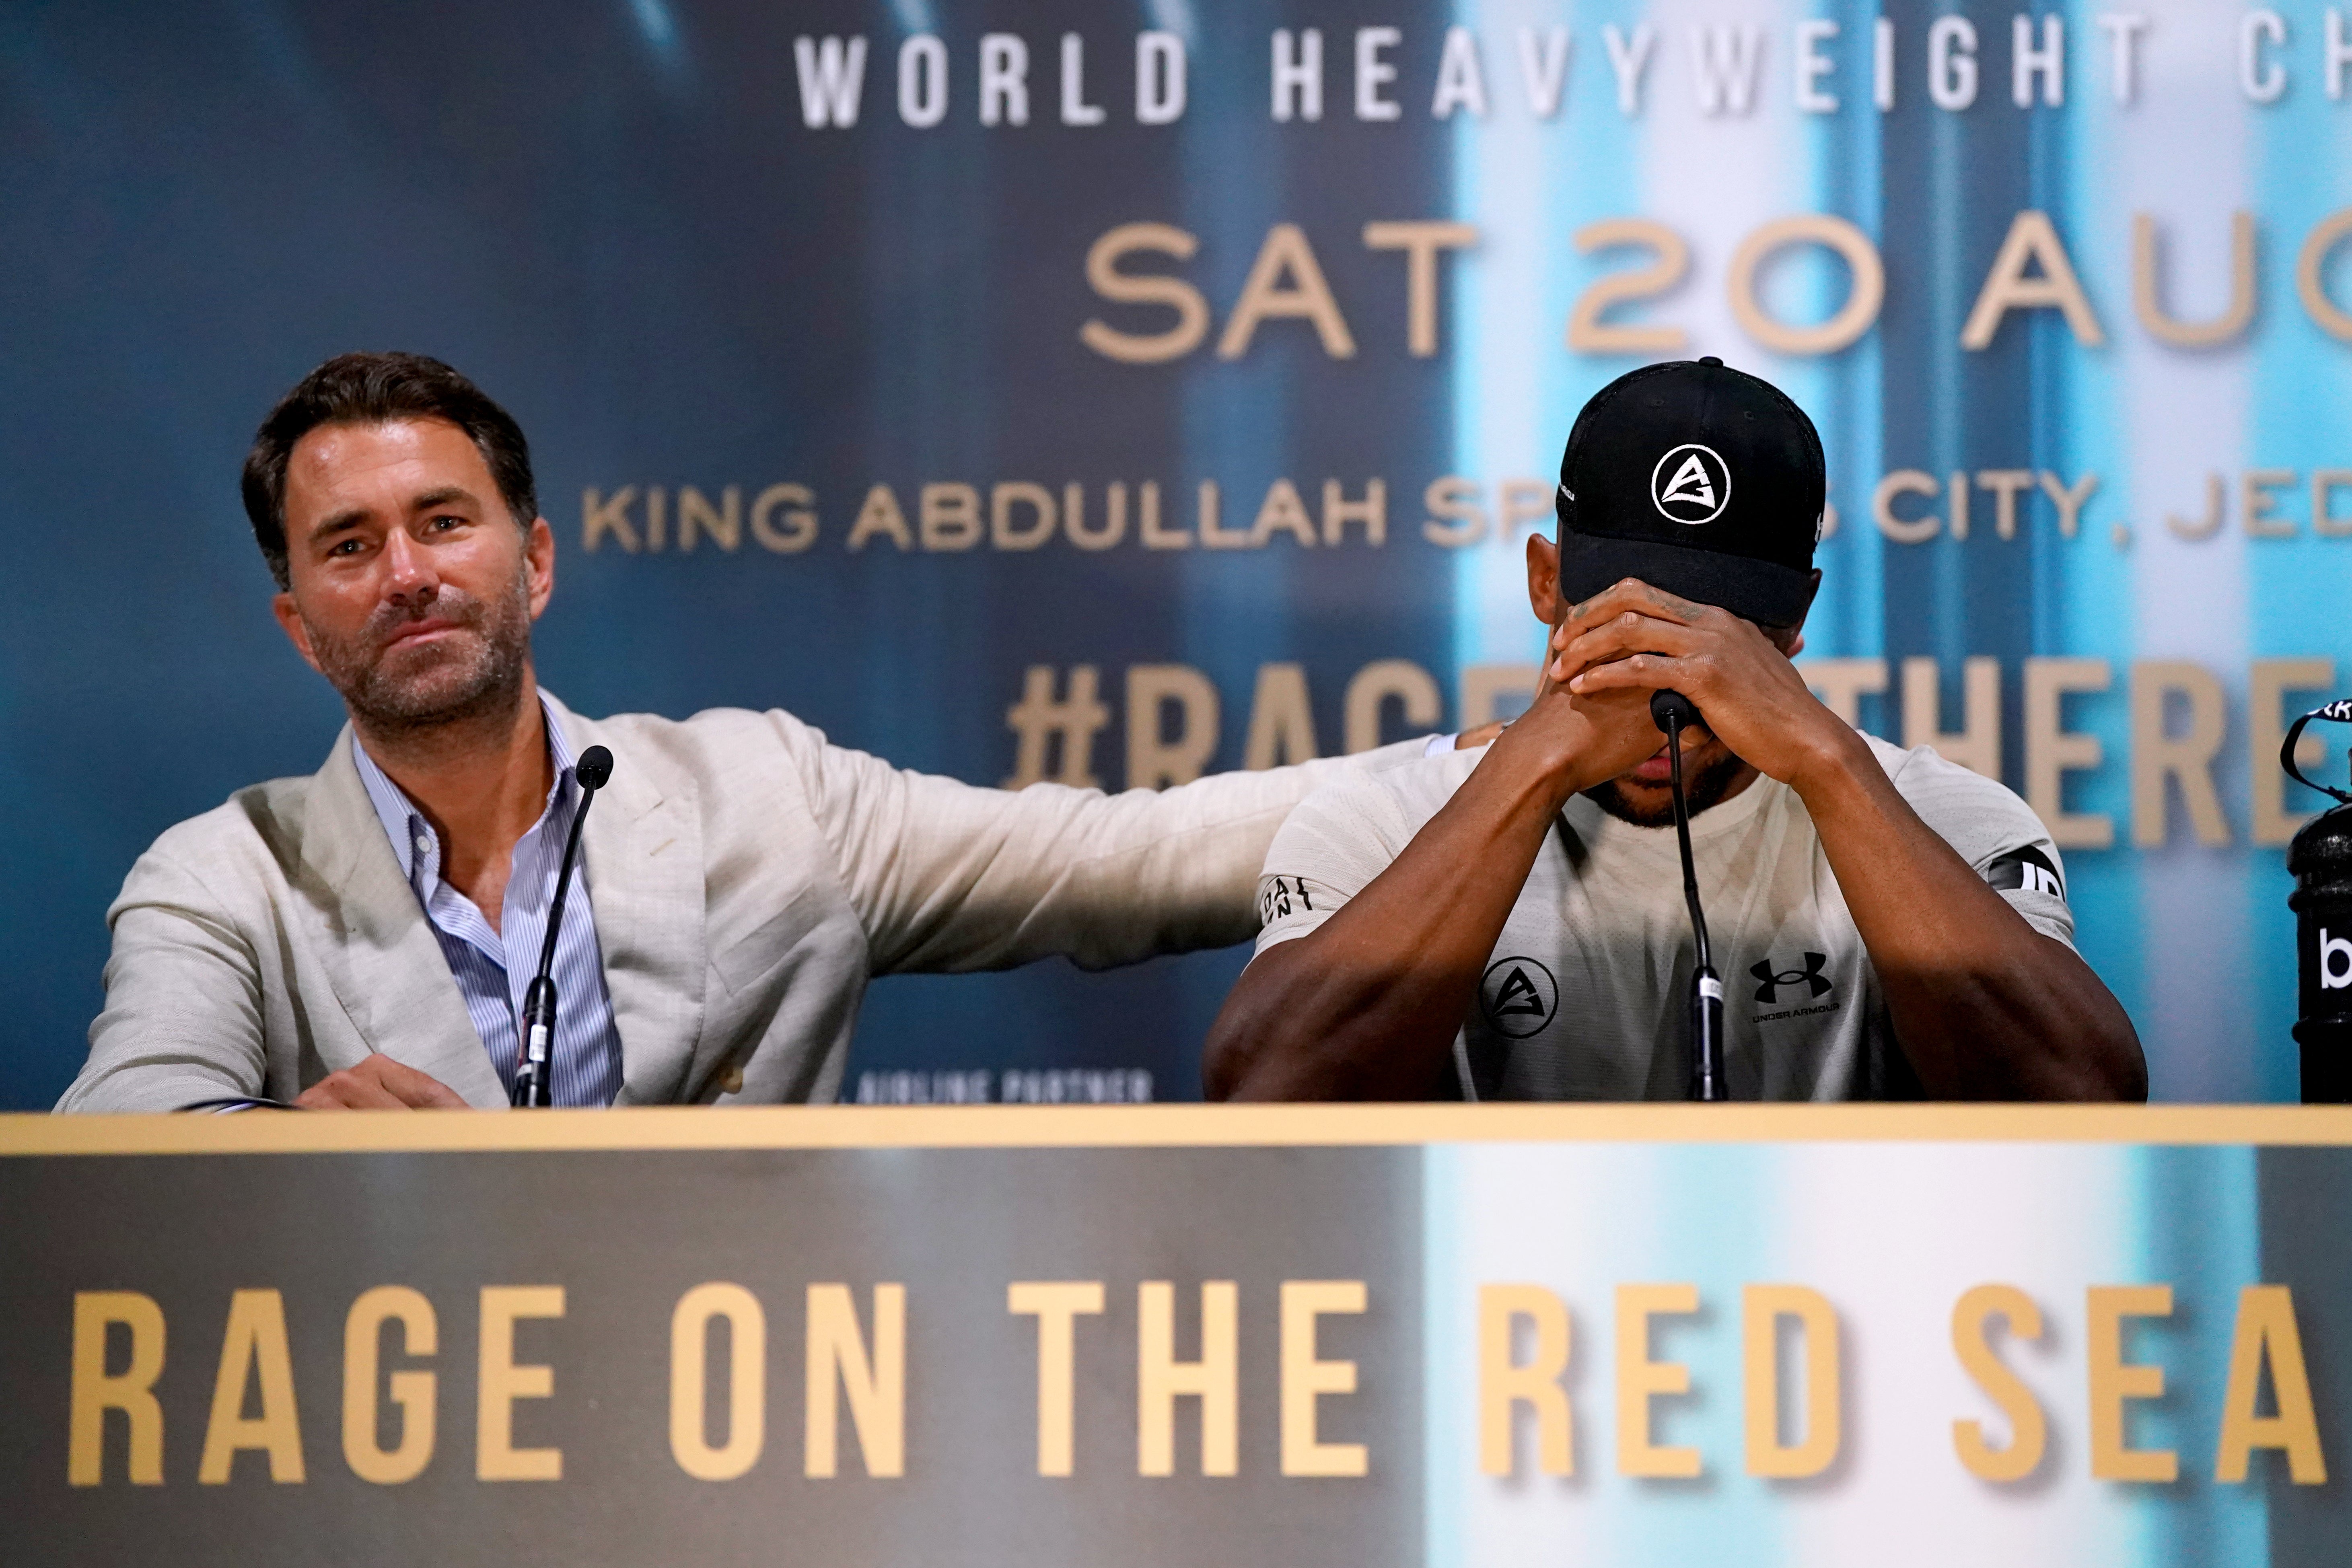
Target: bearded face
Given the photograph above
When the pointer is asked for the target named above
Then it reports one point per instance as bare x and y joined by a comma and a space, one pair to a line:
1712, 772
1708, 779
413, 584
418, 664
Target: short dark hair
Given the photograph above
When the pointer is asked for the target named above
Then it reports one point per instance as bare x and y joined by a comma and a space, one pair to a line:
369, 389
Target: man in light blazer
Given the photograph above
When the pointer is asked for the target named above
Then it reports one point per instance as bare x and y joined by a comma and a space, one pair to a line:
364, 937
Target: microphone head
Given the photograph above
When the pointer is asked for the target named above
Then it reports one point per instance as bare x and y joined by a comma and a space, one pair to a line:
1672, 710
594, 766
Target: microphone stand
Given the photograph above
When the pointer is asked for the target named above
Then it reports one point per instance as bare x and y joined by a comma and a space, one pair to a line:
1673, 711
534, 1083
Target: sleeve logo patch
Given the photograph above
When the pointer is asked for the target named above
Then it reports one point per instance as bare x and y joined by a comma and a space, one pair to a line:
1278, 898
2028, 869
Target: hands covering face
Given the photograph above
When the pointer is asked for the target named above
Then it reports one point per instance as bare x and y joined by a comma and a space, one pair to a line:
1632, 639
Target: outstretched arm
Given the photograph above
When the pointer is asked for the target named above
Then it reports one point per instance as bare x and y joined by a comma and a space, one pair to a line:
1366, 1006
947, 876
1985, 1006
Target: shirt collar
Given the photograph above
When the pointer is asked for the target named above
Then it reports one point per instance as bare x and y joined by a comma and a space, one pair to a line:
405, 825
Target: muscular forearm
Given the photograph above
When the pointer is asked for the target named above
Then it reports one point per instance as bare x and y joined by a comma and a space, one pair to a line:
1985, 1006
1365, 1006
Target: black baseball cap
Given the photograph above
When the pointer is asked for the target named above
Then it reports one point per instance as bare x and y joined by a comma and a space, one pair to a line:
1697, 479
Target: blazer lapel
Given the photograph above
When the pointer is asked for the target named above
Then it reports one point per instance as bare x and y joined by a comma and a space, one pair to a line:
643, 850
386, 967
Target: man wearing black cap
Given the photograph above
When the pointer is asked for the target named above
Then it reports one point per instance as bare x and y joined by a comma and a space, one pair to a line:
1508, 922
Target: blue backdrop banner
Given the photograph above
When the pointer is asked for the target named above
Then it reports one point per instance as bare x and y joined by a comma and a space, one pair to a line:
1115, 393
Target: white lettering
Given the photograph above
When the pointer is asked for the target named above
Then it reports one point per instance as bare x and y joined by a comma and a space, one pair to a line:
2263, 79
1003, 79
1728, 58
923, 80
1076, 109
1952, 63
1812, 65
2124, 29
1299, 75
1159, 79
1629, 58
2332, 947
1373, 73
1543, 63
832, 74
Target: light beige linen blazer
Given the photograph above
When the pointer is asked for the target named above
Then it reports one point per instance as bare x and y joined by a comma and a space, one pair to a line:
748, 876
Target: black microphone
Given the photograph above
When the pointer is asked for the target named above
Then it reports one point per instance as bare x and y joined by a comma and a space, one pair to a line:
534, 1082
1672, 711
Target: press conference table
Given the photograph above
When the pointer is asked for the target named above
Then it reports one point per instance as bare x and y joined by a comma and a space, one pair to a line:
1363, 1335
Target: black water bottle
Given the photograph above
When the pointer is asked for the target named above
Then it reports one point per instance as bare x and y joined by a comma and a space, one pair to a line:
2320, 861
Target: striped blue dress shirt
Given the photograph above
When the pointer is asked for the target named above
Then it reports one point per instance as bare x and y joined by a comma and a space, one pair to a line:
493, 967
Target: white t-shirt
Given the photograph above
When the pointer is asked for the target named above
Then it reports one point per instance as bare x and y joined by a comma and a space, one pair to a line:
1587, 995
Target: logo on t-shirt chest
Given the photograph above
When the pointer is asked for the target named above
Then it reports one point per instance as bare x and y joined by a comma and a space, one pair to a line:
1518, 998
1797, 991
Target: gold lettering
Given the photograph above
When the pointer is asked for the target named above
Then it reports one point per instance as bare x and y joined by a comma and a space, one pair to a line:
413, 1391
1056, 1305
747, 1380
96, 1391
1587, 332
2187, 758
2266, 1332
253, 1349
1761, 1309
880, 515
799, 530
1641, 1380
947, 516
2052, 751
2147, 288
1281, 513
600, 514
1162, 1379
2115, 1381
1144, 288
2029, 1431
1454, 499
1863, 297
1503, 1383
500, 1382
1264, 296
877, 1385
1421, 242
1306, 1379
1372, 511
723, 522
2008, 286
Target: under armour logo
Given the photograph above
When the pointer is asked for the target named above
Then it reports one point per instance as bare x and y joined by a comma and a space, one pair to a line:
1694, 490
1770, 981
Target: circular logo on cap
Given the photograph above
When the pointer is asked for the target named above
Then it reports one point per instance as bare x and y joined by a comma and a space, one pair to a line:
1691, 484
